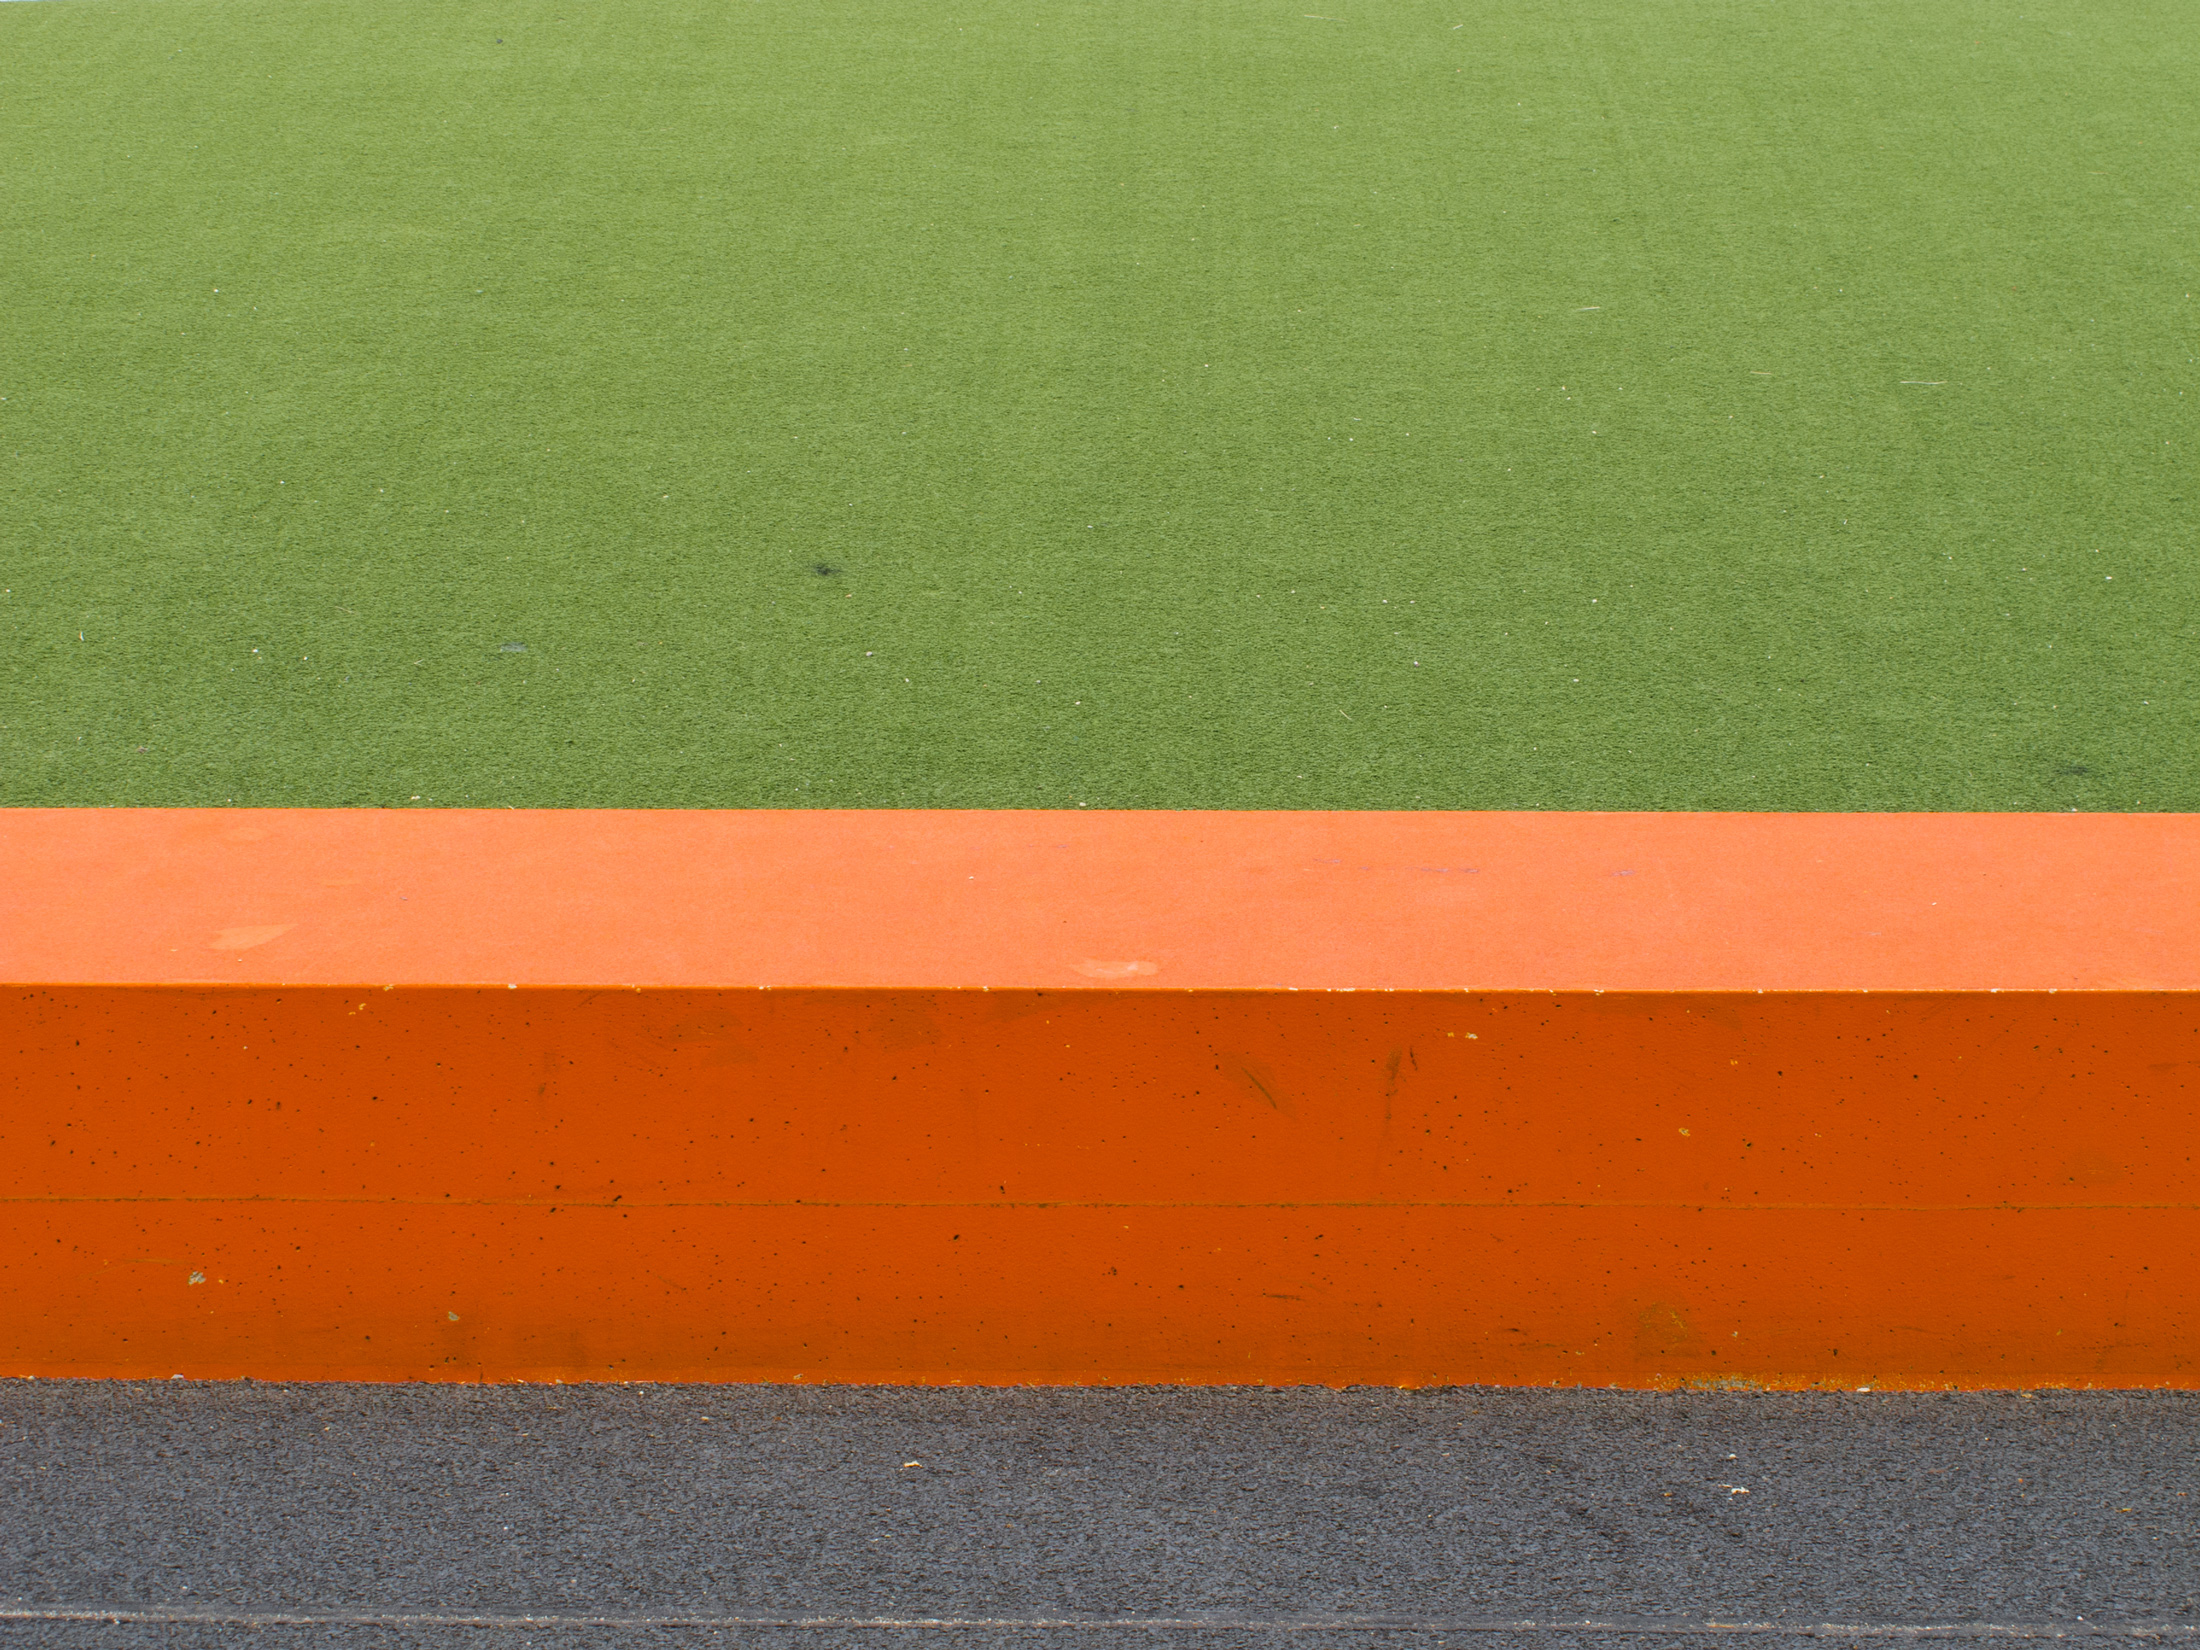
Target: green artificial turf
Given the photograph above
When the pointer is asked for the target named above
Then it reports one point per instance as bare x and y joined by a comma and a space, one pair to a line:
1159, 403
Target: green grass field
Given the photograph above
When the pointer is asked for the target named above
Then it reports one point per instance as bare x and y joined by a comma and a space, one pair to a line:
1167, 403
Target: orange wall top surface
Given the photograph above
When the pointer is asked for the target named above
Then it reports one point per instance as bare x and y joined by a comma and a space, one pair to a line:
1210, 901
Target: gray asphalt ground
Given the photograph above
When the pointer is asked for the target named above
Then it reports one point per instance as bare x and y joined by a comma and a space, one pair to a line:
225, 1513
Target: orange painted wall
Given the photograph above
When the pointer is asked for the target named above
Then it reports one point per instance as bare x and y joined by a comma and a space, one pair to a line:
1116, 901
1644, 1188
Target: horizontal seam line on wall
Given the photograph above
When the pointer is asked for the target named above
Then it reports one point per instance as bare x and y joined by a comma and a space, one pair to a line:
1080, 1203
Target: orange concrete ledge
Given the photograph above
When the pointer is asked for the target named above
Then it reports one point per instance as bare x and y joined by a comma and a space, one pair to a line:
1644, 1100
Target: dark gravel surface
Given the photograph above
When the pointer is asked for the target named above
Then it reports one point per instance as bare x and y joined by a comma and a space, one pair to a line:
1237, 1516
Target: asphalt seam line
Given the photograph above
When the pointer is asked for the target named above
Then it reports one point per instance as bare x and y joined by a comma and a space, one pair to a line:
1656, 1626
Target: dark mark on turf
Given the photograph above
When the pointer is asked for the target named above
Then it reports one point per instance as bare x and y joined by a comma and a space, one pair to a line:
823, 571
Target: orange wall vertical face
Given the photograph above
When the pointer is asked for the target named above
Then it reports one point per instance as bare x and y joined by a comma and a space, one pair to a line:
1101, 1185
